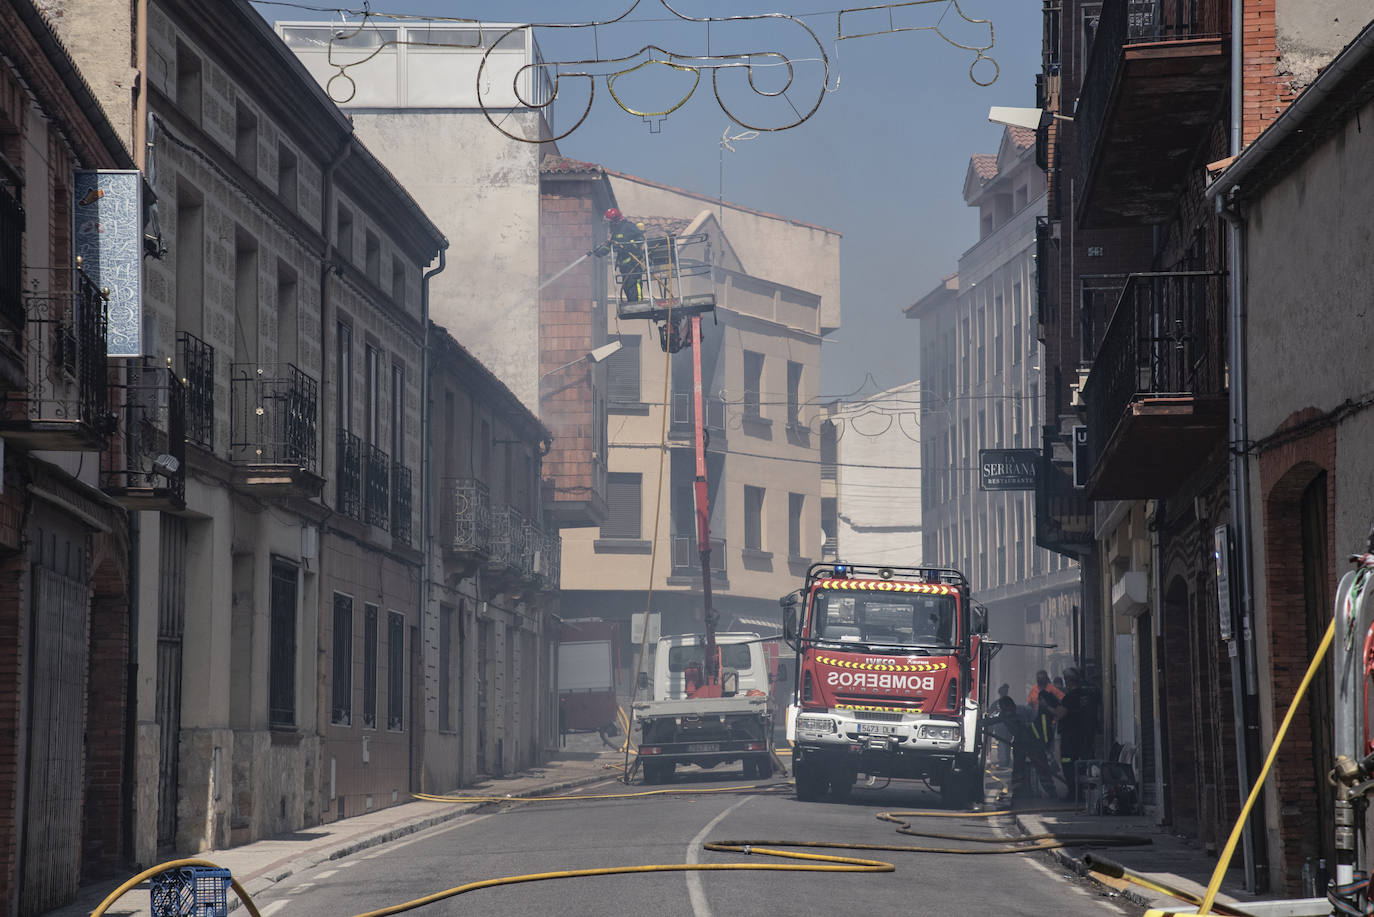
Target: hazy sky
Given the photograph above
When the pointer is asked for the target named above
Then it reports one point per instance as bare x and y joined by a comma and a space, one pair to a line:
882, 160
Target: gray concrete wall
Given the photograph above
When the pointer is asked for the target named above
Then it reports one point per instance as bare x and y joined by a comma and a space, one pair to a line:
482, 190
1310, 32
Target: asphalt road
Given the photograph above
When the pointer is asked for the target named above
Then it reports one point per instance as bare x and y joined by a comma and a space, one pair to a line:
586, 833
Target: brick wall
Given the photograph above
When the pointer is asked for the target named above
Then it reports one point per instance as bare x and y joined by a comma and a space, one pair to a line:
1285, 472
12, 675
106, 719
570, 222
1265, 94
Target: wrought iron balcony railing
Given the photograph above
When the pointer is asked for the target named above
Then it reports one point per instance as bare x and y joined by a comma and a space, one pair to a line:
830, 549
1167, 336
348, 476
198, 375
531, 550
687, 559
65, 403
551, 560
465, 525
401, 504
145, 464
507, 539
275, 418
376, 486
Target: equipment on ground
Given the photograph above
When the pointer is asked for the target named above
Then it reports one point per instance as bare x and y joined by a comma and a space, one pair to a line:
892, 667
588, 675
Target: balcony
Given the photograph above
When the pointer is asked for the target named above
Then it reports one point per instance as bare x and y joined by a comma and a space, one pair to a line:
550, 564
198, 376
687, 559
274, 430
531, 551
11, 289
508, 542
465, 526
1156, 395
144, 467
1063, 514
830, 549
348, 475
65, 402
682, 419
376, 486
401, 502
1151, 95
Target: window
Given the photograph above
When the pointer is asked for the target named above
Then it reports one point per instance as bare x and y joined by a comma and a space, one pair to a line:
286, 177
1020, 569
997, 440
372, 257
372, 407
795, 502
343, 239
794, 375
1001, 555
398, 413
190, 261
398, 281
245, 297
965, 467
980, 333
997, 316
246, 138
753, 518
369, 666
1017, 417
288, 304
188, 82
622, 506
281, 678
967, 348
344, 384
1034, 406
753, 383
445, 668
622, 371
341, 708
395, 671
1016, 307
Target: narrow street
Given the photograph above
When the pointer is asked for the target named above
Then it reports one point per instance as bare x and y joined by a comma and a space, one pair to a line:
538, 837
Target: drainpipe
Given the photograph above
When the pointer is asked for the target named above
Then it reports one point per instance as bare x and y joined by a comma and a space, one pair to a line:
140, 125
426, 419
1243, 656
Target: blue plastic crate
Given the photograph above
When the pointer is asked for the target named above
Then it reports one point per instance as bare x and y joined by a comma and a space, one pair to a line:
191, 891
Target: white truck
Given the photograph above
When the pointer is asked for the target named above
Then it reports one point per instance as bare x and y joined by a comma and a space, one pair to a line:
680, 724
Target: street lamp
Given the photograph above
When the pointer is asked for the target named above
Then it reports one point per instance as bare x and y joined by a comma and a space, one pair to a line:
598, 355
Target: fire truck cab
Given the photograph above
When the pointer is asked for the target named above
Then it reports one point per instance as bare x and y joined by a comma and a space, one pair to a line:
889, 680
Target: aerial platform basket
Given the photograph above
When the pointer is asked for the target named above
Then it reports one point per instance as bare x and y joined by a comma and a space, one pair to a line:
191, 891
678, 278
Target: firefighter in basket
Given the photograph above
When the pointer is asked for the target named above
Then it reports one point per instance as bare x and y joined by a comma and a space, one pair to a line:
626, 242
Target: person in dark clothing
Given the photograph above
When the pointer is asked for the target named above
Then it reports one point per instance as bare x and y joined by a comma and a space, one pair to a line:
1028, 750
1076, 726
627, 243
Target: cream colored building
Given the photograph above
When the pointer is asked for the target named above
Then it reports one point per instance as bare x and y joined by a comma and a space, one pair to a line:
761, 371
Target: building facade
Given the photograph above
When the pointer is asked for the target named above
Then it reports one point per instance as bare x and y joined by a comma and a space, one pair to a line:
981, 383
1138, 312
65, 571
761, 370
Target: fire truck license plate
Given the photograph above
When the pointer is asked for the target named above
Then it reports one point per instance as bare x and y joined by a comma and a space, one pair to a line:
704, 746
876, 729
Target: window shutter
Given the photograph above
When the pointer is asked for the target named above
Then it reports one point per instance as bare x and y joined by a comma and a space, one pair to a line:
622, 506
622, 372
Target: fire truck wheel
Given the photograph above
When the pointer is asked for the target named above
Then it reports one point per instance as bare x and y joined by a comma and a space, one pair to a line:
811, 783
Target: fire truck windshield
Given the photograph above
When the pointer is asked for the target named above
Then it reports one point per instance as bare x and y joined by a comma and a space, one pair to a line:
883, 618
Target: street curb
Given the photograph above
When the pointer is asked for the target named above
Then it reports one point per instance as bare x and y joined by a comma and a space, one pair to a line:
1076, 865
306, 862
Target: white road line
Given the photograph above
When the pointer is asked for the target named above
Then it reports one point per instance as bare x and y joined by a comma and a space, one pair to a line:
694, 891
304, 886
326, 874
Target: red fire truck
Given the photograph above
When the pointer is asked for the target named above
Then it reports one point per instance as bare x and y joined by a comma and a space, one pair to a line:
891, 679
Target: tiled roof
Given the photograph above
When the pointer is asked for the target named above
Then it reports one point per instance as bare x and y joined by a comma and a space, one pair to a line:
552, 163
1023, 137
985, 164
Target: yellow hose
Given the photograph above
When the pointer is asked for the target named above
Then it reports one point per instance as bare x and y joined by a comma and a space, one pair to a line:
146, 874
1225, 862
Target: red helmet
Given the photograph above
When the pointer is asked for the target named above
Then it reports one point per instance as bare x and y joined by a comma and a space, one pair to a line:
613, 214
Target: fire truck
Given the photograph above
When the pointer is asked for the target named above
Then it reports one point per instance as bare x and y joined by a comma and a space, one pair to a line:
892, 667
